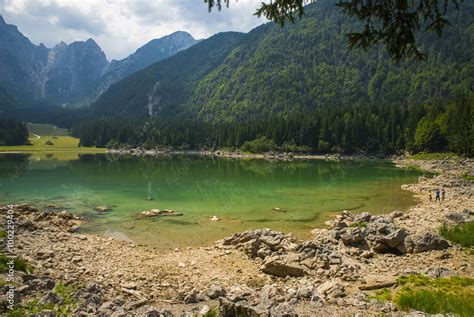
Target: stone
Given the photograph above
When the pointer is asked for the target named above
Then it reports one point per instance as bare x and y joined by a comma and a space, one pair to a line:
215, 291
362, 217
305, 291
283, 309
396, 214
65, 215
49, 298
134, 305
44, 253
24, 289
239, 293
152, 312
228, 308
332, 288
102, 209
352, 236
192, 297
429, 241
204, 310
282, 267
27, 225
438, 272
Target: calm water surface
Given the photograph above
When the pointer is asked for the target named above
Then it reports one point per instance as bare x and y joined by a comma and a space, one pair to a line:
241, 192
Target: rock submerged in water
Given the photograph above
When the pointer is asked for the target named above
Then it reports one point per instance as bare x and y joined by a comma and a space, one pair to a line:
158, 212
215, 218
102, 209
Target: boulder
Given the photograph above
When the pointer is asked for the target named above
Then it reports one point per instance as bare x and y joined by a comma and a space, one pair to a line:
229, 308
192, 297
352, 236
282, 266
215, 291
362, 217
332, 288
429, 241
102, 209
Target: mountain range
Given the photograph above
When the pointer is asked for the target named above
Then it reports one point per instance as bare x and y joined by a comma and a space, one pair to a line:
69, 74
239, 77
279, 72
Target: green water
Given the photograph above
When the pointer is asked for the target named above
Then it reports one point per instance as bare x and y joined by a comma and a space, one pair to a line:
241, 192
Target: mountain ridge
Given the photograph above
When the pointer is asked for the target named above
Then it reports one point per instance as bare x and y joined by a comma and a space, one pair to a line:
75, 73
304, 66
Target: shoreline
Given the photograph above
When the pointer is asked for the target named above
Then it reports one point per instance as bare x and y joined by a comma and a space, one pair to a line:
230, 274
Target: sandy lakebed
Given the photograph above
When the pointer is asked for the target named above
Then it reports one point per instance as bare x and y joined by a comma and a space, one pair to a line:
254, 273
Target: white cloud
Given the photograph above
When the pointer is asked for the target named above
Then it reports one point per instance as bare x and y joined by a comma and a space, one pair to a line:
121, 26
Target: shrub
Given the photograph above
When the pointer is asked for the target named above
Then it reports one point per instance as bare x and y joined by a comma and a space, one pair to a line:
18, 263
259, 145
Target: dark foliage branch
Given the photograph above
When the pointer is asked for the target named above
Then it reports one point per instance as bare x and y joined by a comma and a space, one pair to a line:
393, 23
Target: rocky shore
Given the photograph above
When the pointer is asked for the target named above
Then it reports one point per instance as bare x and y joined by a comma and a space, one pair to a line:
253, 273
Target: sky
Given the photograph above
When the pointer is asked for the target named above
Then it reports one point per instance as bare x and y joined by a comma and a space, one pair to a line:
122, 26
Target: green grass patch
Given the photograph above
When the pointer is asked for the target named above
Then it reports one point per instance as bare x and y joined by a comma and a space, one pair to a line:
66, 305
46, 130
468, 177
434, 296
414, 167
382, 295
358, 225
213, 312
46, 144
433, 156
47, 138
19, 264
462, 234
3, 233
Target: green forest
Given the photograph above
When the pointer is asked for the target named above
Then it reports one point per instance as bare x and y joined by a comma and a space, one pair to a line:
12, 132
297, 88
435, 126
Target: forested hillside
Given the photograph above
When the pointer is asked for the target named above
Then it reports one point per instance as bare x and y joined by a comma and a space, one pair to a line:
297, 87
165, 85
299, 68
12, 132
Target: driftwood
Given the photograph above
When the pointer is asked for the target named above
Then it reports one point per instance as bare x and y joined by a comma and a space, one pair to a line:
377, 285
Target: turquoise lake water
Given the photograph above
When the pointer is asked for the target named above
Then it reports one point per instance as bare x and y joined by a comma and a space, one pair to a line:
243, 193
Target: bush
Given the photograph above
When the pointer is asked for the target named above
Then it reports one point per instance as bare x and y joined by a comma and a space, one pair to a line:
462, 234
259, 145
49, 142
19, 264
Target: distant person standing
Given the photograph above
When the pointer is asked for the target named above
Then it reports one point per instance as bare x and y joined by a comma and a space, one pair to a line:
438, 198
443, 194
431, 196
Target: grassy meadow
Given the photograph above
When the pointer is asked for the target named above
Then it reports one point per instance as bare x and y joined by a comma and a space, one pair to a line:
47, 140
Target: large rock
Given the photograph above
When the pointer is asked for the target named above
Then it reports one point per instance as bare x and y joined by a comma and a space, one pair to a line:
332, 288
429, 241
283, 266
229, 308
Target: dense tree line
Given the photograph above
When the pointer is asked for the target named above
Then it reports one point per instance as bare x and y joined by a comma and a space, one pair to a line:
12, 132
435, 126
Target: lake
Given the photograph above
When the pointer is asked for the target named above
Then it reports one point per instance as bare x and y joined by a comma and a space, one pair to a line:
243, 193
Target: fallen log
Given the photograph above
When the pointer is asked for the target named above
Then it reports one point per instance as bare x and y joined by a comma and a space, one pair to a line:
377, 285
